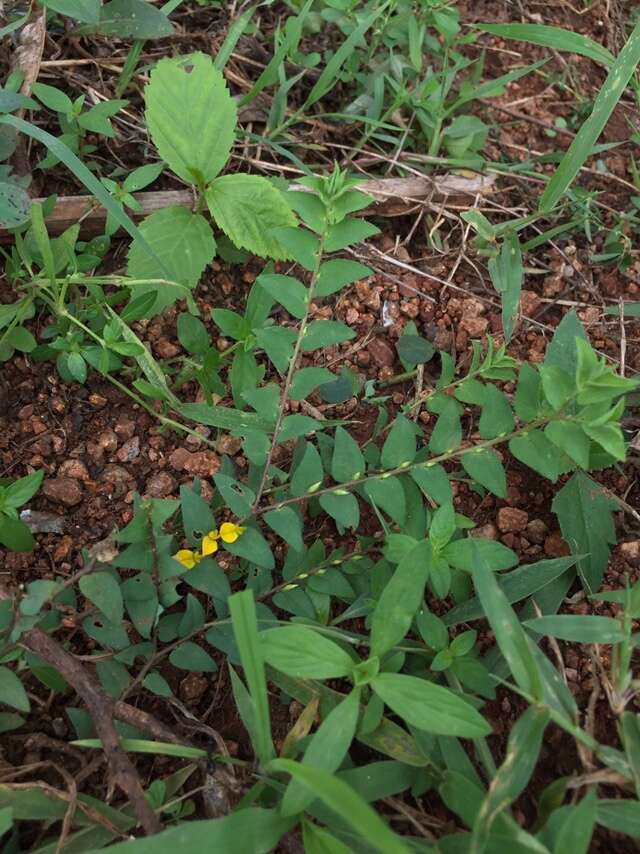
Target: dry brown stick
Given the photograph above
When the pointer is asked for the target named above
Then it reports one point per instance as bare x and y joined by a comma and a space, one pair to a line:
393, 197
100, 706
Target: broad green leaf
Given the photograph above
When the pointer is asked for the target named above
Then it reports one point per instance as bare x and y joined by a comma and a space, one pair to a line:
522, 582
135, 19
347, 462
400, 445
509, 634
415, 350
562, 351
302, 652
447, 434
622, 815
571, 439
577, 829
496, 418
183, 245
400, 599
527, 397
434, 483
192, 334
286, 290
555, 38
317, 840
252, 829
536, 451
582, 145
338, 272
326, 750
349, 232
23, 489
485, 467
343, 801
344, 509
250, 647
87, 11
288, 525
248, 208
252, 546
307, 380
191, 116
326, 333
15, 535
309, 472
585, 513
15, 205
388, 494
190, 656
429, 707
11, 691
463, 554
103, 591
583, 628
513, 775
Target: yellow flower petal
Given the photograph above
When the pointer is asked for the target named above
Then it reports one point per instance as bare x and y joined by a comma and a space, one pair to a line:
229, 532
210, 544
187, 558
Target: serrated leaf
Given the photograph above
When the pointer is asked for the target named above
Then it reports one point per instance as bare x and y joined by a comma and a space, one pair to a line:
183, 245
485, 467
585, 513
191, 116
102, 590
248, 208
349, 232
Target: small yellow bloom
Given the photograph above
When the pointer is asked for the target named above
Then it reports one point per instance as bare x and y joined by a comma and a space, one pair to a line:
210, 543
188, 558
229, 532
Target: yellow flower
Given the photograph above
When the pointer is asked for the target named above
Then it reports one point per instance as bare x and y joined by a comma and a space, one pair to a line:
210, 543
229, 532
188, 558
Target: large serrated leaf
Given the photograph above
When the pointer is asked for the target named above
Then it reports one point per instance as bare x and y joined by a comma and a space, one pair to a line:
247, 208
191, 117
183, 245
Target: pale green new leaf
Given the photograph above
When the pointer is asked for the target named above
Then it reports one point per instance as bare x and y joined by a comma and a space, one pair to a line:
247, 208
191, 117
605, 103
183, 245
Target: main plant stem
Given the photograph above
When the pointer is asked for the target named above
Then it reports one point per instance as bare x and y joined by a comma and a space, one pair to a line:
293, 366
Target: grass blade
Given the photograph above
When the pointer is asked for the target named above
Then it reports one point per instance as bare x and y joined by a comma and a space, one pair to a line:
140, 745
233, 36
555, 38
606, 100
245, 628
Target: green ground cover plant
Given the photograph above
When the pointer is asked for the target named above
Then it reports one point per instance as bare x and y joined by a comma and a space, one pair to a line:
396, 644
